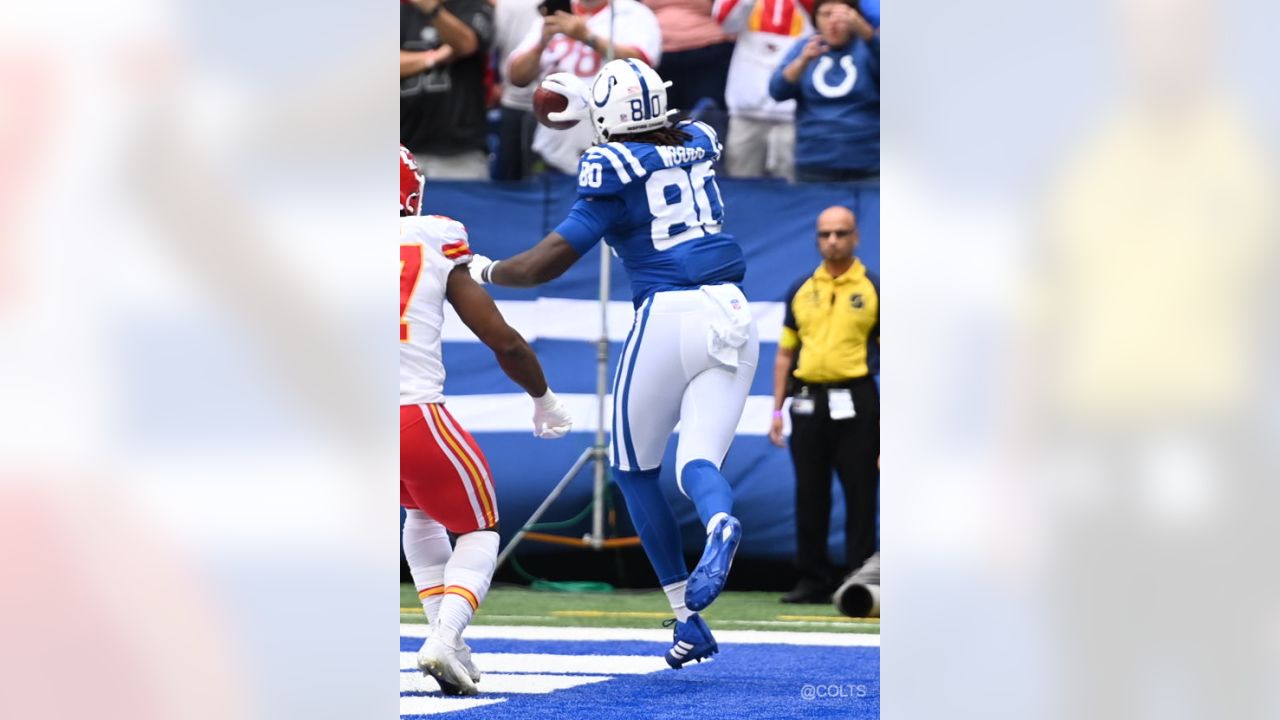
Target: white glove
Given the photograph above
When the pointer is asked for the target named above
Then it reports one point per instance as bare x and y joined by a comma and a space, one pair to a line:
480, 268
550, 417
574, 90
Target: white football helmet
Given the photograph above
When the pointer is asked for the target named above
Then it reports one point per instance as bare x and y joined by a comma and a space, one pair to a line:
628, 96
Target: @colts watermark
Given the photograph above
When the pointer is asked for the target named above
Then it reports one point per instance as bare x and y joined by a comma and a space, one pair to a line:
833, 690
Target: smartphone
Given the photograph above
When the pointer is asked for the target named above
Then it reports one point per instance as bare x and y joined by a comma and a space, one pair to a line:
551, 7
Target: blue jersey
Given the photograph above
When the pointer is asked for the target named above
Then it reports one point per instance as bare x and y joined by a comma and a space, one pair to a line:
659, 208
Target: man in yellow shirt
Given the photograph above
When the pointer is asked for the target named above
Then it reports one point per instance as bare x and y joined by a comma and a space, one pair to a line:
828, 357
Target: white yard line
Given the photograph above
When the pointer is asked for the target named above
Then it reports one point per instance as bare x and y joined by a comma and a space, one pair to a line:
549, 663
525, 684
742, 637
436, 705
793, 623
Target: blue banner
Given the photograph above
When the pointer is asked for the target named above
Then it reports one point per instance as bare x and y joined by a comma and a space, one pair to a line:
773, 221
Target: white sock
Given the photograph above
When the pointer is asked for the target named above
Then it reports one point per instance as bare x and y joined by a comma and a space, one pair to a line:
466, 579
675, 596
426, 549
715, 520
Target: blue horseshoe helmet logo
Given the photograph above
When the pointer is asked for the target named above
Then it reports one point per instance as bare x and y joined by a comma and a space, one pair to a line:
608, 90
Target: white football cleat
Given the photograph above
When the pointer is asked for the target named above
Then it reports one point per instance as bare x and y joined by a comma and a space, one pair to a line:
464, 656
446, 664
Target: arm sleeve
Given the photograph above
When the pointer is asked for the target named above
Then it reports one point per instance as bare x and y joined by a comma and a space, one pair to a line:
448, 236
456, 249
779, 88
588, 221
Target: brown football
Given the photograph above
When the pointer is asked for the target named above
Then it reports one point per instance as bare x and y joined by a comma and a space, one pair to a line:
544, 102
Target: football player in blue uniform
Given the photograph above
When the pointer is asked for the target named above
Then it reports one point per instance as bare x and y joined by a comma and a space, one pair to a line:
648, 189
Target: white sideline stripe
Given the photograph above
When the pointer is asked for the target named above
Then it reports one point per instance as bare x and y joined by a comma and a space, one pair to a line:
512, 412
504, 684
436, 705
565, 319
743, 637
555, 664
795, 623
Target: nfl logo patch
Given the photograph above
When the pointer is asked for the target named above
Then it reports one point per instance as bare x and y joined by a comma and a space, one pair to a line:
857, 300
733, 303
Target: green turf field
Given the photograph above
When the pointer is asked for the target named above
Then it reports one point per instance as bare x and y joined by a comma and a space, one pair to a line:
629, 608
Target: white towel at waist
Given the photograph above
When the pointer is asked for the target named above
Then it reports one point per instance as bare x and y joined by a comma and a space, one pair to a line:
731, 327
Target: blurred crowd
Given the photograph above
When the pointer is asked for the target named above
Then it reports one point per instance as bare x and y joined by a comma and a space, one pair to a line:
792, 86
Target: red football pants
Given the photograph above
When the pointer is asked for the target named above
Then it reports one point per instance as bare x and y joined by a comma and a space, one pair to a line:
442, 471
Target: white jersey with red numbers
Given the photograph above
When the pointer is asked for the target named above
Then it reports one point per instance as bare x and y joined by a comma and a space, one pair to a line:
635, 27
766, 30
430, 247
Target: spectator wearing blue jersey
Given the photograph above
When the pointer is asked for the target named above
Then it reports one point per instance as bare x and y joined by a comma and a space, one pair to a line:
648, 189
834, 77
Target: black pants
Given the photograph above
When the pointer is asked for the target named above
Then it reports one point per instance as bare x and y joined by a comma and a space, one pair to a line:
851, 448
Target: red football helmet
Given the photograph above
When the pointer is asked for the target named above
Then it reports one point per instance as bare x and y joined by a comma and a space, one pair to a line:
412, 184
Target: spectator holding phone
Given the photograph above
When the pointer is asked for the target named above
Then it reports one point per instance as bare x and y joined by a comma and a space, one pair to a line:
834, 77
574, 42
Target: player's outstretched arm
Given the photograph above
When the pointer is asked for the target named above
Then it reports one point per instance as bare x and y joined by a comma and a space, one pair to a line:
479, 313
541, 263
477, 310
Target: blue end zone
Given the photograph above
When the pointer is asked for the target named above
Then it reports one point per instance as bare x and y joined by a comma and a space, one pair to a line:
743, 681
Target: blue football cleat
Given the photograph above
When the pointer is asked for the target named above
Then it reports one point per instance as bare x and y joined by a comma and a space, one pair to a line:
692, 641
707, 580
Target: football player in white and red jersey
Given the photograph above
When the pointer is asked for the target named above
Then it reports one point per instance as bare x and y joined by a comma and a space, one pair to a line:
445, 483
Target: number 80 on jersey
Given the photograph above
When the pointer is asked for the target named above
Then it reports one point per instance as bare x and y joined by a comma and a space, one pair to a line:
591, 175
